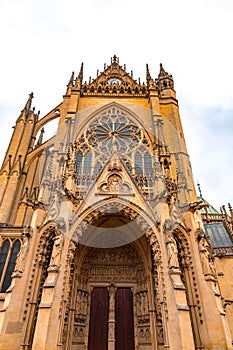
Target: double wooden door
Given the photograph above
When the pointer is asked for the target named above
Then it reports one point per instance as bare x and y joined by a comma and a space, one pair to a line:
99, 320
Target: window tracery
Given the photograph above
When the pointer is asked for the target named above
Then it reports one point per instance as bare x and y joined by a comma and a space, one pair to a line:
113, 131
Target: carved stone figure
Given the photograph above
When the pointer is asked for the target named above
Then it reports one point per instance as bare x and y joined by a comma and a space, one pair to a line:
147, 336
71, 251
83, 303
111, 331
56, 253
138, 300
20, 263
212, 267
205, 255
146, 303
141, 336
172, 252
111, 298
114, 183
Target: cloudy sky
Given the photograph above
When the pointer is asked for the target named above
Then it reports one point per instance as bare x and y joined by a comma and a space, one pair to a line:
42, 42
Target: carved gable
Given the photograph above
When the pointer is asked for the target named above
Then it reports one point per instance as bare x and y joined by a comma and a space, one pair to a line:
114, 80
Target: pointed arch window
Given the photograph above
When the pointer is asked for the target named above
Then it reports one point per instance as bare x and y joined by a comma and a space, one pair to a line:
148, 164
87, 163
8, 256
79, 158
138, 164
3, 255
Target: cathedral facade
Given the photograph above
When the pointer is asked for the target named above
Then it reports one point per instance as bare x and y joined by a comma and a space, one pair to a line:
104, 243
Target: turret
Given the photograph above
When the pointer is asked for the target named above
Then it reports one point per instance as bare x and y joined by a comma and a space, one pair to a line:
12, 171
165, 80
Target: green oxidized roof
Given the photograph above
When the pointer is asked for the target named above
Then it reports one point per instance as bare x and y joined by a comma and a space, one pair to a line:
210, 209
214, 228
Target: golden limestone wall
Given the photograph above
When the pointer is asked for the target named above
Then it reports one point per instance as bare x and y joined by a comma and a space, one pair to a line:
177, 292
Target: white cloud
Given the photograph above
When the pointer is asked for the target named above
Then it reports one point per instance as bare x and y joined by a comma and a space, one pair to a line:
42, 42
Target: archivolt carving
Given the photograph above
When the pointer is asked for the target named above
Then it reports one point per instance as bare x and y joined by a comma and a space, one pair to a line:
154, 246
159, 289
121, 209
183, 248
66, 293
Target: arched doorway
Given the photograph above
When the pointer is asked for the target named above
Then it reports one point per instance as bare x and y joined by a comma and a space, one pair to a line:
113, 302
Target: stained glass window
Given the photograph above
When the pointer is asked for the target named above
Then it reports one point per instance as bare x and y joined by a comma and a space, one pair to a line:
3, 255
114, 131
8, 256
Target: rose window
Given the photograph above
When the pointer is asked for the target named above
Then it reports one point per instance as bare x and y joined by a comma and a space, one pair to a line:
113, 131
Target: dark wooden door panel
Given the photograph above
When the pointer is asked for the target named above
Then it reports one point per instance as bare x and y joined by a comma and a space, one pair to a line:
98, 328
124, 319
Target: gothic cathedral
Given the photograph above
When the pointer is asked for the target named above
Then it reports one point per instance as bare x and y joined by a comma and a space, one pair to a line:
104, 243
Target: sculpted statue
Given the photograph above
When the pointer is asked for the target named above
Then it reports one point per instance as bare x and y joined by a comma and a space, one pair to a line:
111, 330
112, 290
172, 252
212, 267
205, 255
56, 253
20, 262
138, 305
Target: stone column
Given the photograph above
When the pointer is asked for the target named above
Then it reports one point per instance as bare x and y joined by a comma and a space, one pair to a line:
111, 318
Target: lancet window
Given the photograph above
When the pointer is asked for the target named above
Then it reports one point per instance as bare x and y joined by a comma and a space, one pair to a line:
8, 255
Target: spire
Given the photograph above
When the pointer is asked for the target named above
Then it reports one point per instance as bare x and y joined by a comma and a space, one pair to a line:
231, 211
80, 76
27, 110
228, 218
199, 189
40, 139
71, 79
148, 76
28, 104
79, 79
162, 72
149, 80
70, 84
